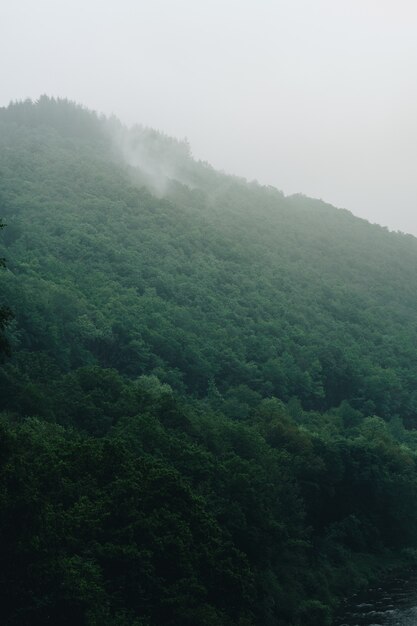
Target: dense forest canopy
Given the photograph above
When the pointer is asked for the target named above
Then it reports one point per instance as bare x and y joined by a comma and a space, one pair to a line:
208, 414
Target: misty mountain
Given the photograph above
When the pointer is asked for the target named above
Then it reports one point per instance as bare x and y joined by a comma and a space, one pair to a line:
222, 280
208, 415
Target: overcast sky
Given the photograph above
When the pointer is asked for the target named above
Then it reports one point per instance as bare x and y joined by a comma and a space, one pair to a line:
311, 96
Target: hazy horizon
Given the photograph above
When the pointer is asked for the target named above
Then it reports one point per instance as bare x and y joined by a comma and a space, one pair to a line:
313, 98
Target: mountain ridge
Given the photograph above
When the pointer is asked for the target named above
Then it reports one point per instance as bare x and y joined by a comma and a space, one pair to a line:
209, 414
284, 245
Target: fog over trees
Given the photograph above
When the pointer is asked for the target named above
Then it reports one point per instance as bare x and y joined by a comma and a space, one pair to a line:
311, 97
208, 296
208, 416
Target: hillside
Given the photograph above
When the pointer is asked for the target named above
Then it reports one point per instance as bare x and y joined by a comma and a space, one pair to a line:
204, 410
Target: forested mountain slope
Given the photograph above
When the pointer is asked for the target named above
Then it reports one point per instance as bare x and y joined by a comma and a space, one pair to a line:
224, 281
203, 412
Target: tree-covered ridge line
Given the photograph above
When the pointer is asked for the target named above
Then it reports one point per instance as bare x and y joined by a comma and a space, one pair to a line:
203, 414
238, 284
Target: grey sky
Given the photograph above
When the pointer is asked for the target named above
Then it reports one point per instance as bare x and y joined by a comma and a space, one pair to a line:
312, 96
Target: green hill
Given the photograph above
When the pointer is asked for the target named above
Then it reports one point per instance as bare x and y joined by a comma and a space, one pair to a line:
204, 410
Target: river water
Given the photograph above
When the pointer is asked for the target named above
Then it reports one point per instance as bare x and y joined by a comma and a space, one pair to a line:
393, 603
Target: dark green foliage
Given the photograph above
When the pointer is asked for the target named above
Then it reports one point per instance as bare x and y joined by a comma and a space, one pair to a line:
5, 317
118, 538
203, 413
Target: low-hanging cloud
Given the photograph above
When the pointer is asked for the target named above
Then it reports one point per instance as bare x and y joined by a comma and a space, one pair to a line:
154, 158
